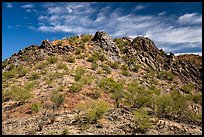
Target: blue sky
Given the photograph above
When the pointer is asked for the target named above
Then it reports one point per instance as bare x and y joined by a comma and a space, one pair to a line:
173, 26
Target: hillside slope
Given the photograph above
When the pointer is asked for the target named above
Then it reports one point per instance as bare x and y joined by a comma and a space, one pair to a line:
95, 85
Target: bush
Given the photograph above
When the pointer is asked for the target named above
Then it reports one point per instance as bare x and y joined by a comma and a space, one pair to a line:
165, 75
57, 99
70, 58
187, 88
94, 66
114, 65
124, 67
110, 85
78, 73
35, 107
76, 87
52, 59
126, 73
196, 98
66, 132
142, 120
107, 69
34, 76
93, 110
136, 68
41, 65
86, 38
78, 51
62, 66
73, 39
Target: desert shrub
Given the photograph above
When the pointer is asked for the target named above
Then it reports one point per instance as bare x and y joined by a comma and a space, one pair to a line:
62, 66
196, 98
188, 88
136, 68
114, 65
79, 51
4, 64
57, 99
150, 74
52, 59
142, 120
117, 95
9, 74
76, 87
41, 65
93, 110
124, 67
34, 76
70, 58
166, 75
35, 107
101, 57
73, 39
66, 131
120, 43
110, 85
86, 38
126, 73
78, 73
106, 68
94, 66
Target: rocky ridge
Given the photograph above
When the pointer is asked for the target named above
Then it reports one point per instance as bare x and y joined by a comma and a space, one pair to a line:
140, 51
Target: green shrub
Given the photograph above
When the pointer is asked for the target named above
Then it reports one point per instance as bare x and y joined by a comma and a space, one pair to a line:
76, 87
73, 39
124, 67
94, 66
62, 66
102, 57
114, 65
142, 120
197, 98
93, 110
34, 76
66, 131
52, 59
57, 99
110, 85
70, 58
78, 73
188, 88
79, 51
41, 65
136, 68
35, 107
86, 38
126, 73
165, 75
107, 69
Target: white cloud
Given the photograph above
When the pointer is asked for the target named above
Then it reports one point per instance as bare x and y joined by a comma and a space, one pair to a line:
161, 13
139, 7
27, 6
192, 18
78, 18
195, 53
9, 5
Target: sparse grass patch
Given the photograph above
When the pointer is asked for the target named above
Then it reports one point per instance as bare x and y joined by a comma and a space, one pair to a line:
106, 68
52, 59
94, 66
76, 87
70, 58
41, 65
36, 107
166, 75
136, 68
78, 73
114, 65
34, 76
188, 88
126, 73
62, 66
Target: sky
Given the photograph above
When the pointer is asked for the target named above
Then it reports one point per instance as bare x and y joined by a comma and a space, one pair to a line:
173, 26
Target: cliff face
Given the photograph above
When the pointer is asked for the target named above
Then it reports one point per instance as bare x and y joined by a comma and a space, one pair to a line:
129, 75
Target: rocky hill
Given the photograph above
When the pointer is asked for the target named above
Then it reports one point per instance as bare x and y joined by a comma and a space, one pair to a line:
96, 85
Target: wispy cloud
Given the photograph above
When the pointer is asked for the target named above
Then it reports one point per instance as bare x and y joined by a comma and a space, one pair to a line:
162, 13
27, 6
190, 18
78, 18
140, 7
9, 5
